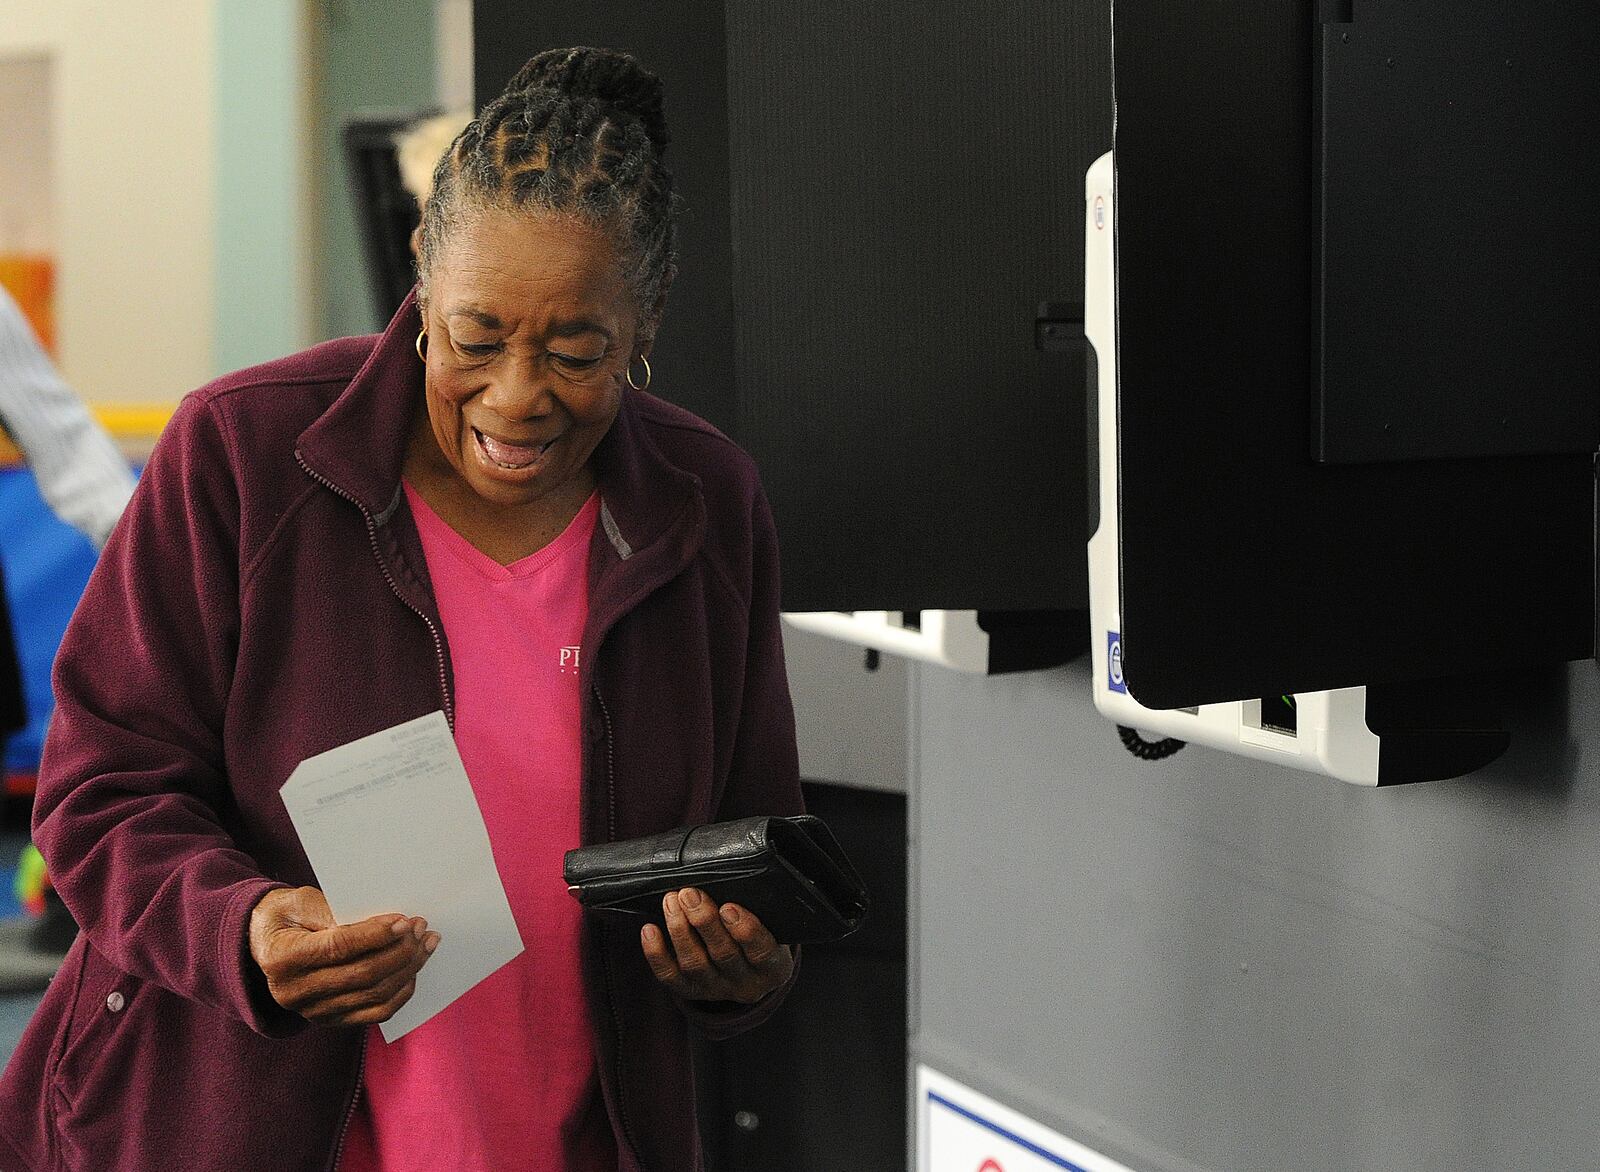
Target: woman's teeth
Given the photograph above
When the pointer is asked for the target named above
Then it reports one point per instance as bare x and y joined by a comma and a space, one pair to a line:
510, 456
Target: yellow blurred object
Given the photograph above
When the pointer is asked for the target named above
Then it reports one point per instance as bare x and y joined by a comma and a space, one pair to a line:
31, 279
133, 421
29, 884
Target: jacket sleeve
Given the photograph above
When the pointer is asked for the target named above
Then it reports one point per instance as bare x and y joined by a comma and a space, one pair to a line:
765, 773
133, 805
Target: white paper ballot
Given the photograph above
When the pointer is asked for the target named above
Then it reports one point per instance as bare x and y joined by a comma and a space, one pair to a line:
390, 824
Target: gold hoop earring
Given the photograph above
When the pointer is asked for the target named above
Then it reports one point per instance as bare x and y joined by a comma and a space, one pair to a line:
422, 352
648, 375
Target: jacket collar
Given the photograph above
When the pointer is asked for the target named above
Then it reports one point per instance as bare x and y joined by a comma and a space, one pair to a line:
358, 447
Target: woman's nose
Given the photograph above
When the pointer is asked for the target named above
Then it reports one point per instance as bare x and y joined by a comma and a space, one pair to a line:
520, 393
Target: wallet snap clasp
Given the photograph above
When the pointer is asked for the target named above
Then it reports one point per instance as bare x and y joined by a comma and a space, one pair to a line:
670, 852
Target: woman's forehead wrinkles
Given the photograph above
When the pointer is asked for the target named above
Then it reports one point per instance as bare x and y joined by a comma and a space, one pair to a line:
559, 325
575, 326
482, 316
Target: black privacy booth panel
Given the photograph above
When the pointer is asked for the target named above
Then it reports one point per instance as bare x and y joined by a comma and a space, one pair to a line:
1458, 237
1335, 474
881, 274
683, 42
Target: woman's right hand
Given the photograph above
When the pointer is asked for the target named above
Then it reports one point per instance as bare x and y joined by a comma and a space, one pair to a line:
336, 974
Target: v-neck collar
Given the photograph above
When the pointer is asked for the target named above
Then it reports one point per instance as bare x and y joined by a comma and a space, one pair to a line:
577, 531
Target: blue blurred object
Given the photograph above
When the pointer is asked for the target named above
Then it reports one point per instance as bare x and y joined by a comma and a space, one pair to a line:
10, 908
47, 565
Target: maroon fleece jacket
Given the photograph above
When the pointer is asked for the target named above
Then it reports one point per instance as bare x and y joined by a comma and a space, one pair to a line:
265, 598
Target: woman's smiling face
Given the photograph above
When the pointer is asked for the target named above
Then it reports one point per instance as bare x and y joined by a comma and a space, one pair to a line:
531, 326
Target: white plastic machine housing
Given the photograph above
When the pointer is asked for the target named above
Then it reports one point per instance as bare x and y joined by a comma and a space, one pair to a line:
1331, 734
949, 638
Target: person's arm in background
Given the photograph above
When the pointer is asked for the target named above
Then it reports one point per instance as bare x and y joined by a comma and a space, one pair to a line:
82, 476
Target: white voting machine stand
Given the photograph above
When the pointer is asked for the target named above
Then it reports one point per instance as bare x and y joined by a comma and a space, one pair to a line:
1328, 730
949, 638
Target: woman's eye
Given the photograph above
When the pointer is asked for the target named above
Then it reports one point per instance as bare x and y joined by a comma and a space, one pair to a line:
575, 361
477, 349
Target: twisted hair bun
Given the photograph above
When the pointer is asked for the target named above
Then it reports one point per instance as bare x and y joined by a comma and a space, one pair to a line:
607, 76
577, 131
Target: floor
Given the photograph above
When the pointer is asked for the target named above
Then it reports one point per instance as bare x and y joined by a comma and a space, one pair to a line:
15, 1010
14, 1015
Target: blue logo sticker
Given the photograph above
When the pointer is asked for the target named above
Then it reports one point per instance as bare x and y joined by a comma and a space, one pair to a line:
1114, 663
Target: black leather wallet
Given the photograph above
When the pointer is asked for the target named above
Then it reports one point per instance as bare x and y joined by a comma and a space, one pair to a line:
789, 871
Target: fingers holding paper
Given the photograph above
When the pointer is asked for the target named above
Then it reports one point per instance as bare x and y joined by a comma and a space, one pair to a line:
336, 974
712, 953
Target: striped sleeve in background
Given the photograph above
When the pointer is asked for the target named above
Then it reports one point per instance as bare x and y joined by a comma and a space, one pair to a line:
82, 475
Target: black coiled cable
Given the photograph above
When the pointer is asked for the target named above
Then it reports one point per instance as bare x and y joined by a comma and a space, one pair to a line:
1148, 750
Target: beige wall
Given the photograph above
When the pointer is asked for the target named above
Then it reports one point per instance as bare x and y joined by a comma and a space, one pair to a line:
27, 210
452, 48
134, 113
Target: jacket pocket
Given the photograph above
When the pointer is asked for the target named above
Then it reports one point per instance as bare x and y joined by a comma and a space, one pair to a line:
102, 1004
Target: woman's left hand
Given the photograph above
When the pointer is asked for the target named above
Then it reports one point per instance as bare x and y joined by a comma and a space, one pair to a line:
712, 953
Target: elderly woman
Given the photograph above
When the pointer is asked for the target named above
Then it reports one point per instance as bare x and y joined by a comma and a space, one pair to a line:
375, 529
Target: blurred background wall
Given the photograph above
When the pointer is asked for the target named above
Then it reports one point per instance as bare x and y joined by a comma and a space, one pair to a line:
367, 57
266, 193
132, 119
178, 169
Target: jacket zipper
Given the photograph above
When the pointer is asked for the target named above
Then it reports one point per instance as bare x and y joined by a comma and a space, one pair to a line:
350, 1111
611, 767
450, 718
372, 537
605, 952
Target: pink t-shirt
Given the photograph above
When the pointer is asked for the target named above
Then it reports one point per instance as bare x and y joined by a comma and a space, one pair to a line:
504, 1079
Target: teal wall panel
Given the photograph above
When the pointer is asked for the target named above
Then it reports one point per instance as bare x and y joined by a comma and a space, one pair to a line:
371, 57
258, 311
